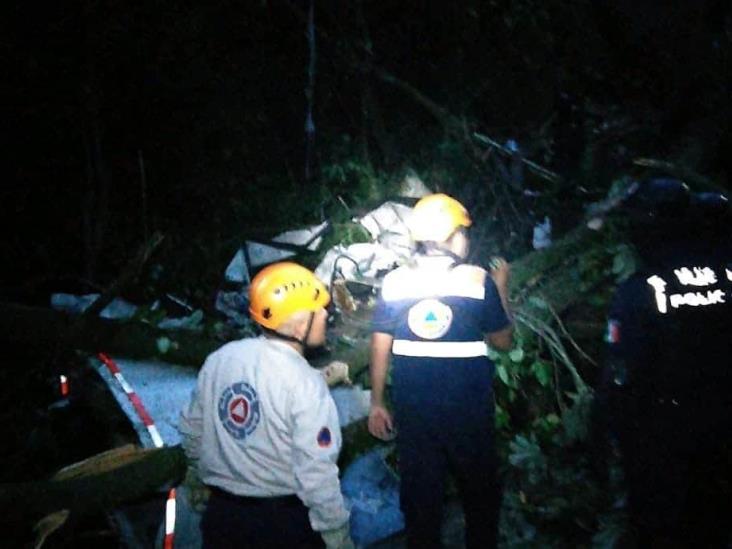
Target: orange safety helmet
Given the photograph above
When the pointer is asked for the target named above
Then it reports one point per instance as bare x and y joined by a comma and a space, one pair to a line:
281, 289
436, 217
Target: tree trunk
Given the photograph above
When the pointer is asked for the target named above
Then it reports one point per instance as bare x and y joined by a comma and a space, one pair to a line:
97, 487
39, 330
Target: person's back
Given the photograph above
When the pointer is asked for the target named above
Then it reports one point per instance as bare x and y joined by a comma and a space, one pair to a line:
670, 348
261, 430
432, 319
439, 322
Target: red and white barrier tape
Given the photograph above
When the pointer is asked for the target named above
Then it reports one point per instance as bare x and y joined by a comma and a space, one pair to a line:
63, 385
135, 400
169, 520
156, 438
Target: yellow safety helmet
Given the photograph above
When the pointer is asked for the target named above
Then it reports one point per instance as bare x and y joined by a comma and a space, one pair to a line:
436, 217
281, 289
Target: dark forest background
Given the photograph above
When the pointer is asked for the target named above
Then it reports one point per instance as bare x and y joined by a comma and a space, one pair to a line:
123, 118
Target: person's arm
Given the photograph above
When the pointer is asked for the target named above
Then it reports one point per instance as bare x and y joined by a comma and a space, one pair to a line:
502, 340
316, 443
191, 428
380, 421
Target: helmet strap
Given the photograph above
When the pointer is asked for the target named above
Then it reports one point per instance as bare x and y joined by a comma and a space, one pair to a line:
439, 251
458, 259
302, 342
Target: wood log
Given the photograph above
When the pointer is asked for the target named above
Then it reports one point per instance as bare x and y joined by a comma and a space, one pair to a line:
98, 485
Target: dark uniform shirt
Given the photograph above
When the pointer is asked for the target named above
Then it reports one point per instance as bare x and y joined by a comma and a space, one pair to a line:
668, 392
438, 315
669, 336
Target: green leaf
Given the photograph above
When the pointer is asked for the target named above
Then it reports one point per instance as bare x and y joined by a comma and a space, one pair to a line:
517, 355
503, 419
538, 302
624, 262
163, 344
527, 456
502, 373
542, 371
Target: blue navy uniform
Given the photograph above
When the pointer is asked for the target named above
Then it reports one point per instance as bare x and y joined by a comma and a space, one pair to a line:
438, 315
667, 393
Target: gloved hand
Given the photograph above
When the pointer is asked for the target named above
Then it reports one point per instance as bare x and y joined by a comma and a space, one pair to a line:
338, 538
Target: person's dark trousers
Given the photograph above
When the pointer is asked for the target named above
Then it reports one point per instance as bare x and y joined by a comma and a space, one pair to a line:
428, 447
680, 494
231, 521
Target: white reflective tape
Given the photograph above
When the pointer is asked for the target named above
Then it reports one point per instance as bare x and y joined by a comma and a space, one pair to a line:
439, 349
126, 388
426, 286
170, 513
696, 299
659, 287
696, 276
157, 439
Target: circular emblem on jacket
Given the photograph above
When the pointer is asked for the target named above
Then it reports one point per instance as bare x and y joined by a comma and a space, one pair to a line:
430, 319
239, 410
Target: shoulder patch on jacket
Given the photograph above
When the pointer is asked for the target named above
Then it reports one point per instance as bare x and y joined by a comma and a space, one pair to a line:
324, 438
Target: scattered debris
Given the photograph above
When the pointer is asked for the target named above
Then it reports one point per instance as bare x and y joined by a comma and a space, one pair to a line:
118, 309
412, 186
372, 489
542, 237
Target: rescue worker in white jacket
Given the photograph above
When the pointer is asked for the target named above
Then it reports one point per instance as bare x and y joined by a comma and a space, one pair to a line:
263, 428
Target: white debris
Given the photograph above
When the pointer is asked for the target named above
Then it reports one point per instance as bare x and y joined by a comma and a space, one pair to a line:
352, 403
542, 234
263, 254
413, 187
193, 321
257, 254
309, 236
357, 261
237, 270
77, 304
372, 490
389, 218
234, 305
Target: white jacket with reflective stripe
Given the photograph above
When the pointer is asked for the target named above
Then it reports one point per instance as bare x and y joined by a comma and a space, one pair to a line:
262, 423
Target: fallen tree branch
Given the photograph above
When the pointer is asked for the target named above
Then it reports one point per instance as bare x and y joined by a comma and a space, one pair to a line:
682, 172
40, 330
131, 270
533, 166
93, 489
569, 337
548, 335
